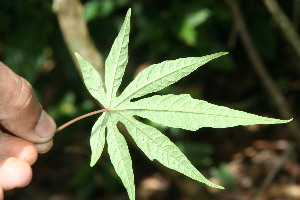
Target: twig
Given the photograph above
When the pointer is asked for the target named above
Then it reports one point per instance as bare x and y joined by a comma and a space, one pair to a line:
260, 69
275, 170
233, 36
79, 118
284, 24
75, 32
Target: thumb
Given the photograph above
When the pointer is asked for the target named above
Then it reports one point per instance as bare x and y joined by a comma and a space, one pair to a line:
20, 111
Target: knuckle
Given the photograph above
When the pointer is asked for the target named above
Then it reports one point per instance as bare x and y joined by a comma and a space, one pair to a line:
23, 96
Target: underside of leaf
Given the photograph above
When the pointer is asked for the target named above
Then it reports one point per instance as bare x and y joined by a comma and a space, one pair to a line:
182, 111
97, 140
92, 79
178, 111
157, 146
159, 76
117, 60
120, 157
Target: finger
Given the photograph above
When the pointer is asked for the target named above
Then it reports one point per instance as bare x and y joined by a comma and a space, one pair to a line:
20, 112
14, 173
12, 146
1, 194
44, 148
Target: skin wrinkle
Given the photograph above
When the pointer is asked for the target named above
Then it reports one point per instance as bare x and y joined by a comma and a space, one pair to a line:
25, 88
20, 151
12, 82
25, 130
24, 98
18, 98
5, 97
10, 94
23, 104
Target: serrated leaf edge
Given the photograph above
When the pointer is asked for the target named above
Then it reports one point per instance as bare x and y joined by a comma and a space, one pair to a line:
121, 99
195, 173
124, 32
128, 180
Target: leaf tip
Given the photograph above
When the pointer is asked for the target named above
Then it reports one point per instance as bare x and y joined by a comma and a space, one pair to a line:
288, 120
224, 53
220, 187
76, 54
128, 14
93, 162
216, 55
211, 184
281, 121
220, 54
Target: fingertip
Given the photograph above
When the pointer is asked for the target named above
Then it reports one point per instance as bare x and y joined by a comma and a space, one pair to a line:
45, 147
11, 146
29, 154
14, 173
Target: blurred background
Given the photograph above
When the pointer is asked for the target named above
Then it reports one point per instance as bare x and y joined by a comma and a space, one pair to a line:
260, 75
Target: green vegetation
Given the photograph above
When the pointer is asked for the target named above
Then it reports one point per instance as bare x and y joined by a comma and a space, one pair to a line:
33, 45
177, 111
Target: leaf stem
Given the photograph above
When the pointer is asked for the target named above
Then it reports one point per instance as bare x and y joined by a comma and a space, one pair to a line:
80, 117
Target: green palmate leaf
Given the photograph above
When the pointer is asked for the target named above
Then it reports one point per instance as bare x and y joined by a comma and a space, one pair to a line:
178, 111
92, 79
117, 60
157, 146
97, 140
182, 111
120, 157
159, 76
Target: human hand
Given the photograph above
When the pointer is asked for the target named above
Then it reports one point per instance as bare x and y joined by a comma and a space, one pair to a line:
25, 130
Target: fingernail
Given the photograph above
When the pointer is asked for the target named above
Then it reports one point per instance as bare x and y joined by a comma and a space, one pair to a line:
46, 126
